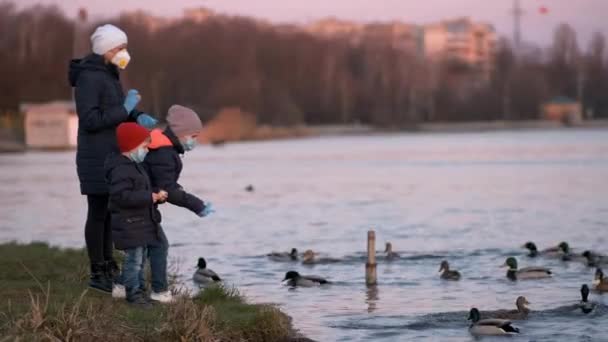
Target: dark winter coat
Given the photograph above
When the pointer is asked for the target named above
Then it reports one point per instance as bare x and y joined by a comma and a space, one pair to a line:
164, 165
135, 222
99, 103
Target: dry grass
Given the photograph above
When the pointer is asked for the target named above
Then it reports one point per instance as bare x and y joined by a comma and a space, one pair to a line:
65, 310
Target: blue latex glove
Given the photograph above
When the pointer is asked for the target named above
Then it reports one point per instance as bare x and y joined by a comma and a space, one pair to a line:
146, 120
131, 100
207, 211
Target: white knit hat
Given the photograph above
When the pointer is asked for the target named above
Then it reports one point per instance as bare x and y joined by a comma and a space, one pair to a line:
107, 37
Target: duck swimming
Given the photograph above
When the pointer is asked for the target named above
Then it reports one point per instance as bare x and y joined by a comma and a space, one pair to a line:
520, 313
388, 251
532, 250
489, 327
203, 275
601, 283
586, 306
447, 273
594, 260
284, 256
294, 279
560, 251
525, 273
310, 258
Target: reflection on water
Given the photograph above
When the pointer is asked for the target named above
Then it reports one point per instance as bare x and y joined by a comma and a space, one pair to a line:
371, 298
471, 199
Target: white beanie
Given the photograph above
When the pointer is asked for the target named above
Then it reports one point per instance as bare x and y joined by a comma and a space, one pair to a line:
106, 38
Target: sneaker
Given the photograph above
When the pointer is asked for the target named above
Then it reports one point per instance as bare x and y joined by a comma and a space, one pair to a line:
162, 297
119, 291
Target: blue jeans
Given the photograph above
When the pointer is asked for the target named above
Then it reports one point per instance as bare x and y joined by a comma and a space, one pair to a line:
158, 263
133, 271
133, 267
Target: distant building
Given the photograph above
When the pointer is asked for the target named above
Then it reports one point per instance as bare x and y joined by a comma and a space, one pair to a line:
332, 27
563, 109
464, 41
51, 125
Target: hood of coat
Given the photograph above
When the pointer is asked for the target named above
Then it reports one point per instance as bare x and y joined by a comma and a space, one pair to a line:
90, 62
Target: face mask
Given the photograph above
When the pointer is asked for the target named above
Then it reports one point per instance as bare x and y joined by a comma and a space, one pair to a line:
138, 155
189, 144
121, 59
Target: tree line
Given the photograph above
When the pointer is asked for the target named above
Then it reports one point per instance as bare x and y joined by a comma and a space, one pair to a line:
286, 76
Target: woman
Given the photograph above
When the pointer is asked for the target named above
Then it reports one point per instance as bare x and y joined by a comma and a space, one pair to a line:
101, 106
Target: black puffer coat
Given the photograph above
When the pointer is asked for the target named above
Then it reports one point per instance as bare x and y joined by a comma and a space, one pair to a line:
99, 103
164, 166
135, 221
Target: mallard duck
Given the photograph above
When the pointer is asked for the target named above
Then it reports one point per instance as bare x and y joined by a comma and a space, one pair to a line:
585, 305
600, 283
525, 273
203, 275
310, 258
284, 256
532, 250
294, 279
447, 273
594, 259
489, 327
519, 314
561, 251
388, 251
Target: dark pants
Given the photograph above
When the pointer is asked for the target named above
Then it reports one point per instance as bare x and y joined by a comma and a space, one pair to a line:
97, 230
134, 263
157, 254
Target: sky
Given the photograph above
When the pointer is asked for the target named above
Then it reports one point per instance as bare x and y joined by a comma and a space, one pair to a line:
586, 16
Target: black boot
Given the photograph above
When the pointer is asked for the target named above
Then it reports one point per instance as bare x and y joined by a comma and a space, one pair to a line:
139, 299
113, 271
99, 279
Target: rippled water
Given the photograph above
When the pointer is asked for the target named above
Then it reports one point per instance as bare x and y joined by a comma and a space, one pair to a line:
471, 198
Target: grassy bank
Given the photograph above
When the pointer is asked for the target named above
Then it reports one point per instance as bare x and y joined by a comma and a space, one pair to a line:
44, 297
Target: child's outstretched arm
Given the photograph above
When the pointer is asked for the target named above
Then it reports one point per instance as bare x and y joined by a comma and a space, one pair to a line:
162, 172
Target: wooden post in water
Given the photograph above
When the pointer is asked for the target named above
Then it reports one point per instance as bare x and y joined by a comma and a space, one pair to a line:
370, 266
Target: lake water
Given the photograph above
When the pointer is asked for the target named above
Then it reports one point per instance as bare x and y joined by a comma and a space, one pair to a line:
470, 198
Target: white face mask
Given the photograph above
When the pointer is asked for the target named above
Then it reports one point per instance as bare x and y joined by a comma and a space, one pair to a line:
121, 59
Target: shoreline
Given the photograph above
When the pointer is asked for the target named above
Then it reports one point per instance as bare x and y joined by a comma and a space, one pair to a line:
268, 133
45, 296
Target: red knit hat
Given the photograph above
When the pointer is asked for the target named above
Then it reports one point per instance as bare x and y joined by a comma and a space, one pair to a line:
129, 135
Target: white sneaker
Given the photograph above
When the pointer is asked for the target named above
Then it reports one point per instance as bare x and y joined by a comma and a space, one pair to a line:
163, 297
119, 291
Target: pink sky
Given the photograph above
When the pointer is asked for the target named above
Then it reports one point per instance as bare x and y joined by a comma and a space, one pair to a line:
587, 16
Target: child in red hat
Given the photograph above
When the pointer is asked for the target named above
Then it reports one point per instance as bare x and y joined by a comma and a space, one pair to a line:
135, 225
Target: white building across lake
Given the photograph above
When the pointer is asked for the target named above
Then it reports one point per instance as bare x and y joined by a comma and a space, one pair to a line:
50, 125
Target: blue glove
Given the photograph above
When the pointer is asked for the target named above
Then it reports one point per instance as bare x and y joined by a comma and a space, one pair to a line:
208, 210
146, 120
131, 100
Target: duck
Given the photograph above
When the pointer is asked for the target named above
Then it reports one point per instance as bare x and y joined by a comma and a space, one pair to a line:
447, 273
594, 259
284, 256
525, 273
520, 313
532, 250
585, 305
561, 251
388, 251
490, 326
295, 279
601, 283
310, 258
203, 275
